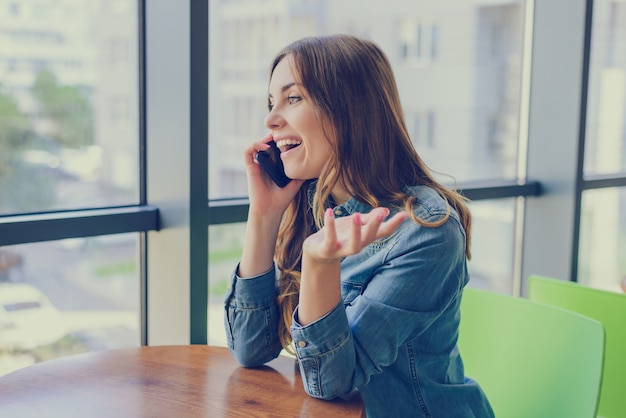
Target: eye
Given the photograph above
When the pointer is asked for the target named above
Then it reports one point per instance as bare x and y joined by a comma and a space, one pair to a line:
270, 106
293, 99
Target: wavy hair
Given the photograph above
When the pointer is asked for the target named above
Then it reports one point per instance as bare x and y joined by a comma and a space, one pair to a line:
351, 86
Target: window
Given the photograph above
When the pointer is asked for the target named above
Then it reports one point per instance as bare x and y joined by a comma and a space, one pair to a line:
605, 147
69, 130
418, 41
601, 261
66, 297
602, 253
69, 115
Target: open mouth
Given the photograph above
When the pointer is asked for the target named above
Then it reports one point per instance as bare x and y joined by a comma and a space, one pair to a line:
288, 144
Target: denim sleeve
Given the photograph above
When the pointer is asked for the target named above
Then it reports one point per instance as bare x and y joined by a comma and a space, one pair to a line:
418, 276
251, 319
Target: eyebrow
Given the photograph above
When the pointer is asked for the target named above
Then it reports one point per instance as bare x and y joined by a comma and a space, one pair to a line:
284, 88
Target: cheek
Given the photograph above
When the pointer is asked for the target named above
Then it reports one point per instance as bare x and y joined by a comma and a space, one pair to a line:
322, 155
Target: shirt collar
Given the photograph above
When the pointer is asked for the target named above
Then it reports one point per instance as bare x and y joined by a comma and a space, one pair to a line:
348, 208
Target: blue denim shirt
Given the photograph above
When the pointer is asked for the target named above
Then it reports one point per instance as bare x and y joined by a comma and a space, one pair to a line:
393, 338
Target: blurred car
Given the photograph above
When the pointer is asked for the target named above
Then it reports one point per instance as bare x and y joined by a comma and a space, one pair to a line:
27, 318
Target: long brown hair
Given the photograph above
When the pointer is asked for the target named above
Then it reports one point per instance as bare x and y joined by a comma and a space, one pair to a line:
351, 85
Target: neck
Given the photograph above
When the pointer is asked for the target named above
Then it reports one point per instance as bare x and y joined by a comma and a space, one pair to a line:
340, 196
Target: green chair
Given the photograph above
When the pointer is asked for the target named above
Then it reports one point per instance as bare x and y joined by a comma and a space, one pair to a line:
531, 359
606, 307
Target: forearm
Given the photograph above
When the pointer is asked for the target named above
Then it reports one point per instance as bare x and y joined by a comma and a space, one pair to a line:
260, 241
251, 319
320, 289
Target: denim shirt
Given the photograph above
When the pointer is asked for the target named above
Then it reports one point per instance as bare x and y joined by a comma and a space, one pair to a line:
393, 337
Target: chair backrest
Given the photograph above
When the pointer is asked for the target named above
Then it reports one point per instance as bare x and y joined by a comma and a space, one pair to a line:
606, 307
531, 359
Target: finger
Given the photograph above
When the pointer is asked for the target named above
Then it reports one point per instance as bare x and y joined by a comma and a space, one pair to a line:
331, 232
389, 226
354, 245
372, 224
249, 152
261, 145
376, 214
269, 137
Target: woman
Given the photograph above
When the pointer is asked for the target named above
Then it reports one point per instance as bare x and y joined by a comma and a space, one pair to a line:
360, 261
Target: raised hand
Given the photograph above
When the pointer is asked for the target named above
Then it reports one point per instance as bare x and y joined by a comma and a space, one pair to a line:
349, 235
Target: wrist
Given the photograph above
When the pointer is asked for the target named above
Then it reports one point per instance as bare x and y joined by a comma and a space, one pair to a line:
320, 289
320, 266
311, 253
264, 221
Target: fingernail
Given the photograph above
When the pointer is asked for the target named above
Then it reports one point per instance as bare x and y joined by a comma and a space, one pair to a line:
329, 212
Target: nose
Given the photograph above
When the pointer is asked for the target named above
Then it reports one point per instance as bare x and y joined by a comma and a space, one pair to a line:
274, 119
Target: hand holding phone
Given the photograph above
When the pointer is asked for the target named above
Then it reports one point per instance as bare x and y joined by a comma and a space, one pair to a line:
273, 165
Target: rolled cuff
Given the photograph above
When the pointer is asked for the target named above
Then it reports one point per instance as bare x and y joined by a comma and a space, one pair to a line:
253, 292
325, 334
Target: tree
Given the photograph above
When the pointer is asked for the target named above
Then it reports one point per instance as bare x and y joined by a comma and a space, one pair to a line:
67, 107
14, 128
23, 188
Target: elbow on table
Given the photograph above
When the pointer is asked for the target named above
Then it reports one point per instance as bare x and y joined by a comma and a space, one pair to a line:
247, 361
251, 359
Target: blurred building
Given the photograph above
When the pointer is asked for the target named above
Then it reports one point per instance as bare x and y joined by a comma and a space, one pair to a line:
458, 70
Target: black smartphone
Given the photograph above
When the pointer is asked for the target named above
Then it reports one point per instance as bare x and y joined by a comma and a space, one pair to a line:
273, 165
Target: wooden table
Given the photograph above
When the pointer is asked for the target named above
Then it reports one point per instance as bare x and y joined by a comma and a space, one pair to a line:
163, 381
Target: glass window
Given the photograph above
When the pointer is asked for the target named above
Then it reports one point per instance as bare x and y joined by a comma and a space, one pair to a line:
418, 41
493, 245
67, 297
68, 105
602, 248
605, 145
463, 107
225, 246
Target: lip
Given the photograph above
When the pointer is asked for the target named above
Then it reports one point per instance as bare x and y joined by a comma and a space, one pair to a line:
284, 154
279, 138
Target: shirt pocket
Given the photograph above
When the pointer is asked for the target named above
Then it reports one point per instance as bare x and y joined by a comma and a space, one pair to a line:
350, 291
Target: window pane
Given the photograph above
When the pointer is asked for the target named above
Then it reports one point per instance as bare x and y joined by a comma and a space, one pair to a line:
225, 245
605, 145
493, 245
66, 297
458, 66
602, 249
68, 105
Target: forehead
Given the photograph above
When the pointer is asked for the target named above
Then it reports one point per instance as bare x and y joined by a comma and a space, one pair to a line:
282, 76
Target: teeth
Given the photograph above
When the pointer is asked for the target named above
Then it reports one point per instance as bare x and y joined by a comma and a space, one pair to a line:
286, 142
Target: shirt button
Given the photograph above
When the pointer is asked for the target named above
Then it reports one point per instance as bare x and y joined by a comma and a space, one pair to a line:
338, 212
301, 344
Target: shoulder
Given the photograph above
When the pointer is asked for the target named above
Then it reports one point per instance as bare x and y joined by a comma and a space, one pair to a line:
430, 206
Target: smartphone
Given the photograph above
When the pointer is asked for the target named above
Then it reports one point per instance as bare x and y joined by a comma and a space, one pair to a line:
273, 165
